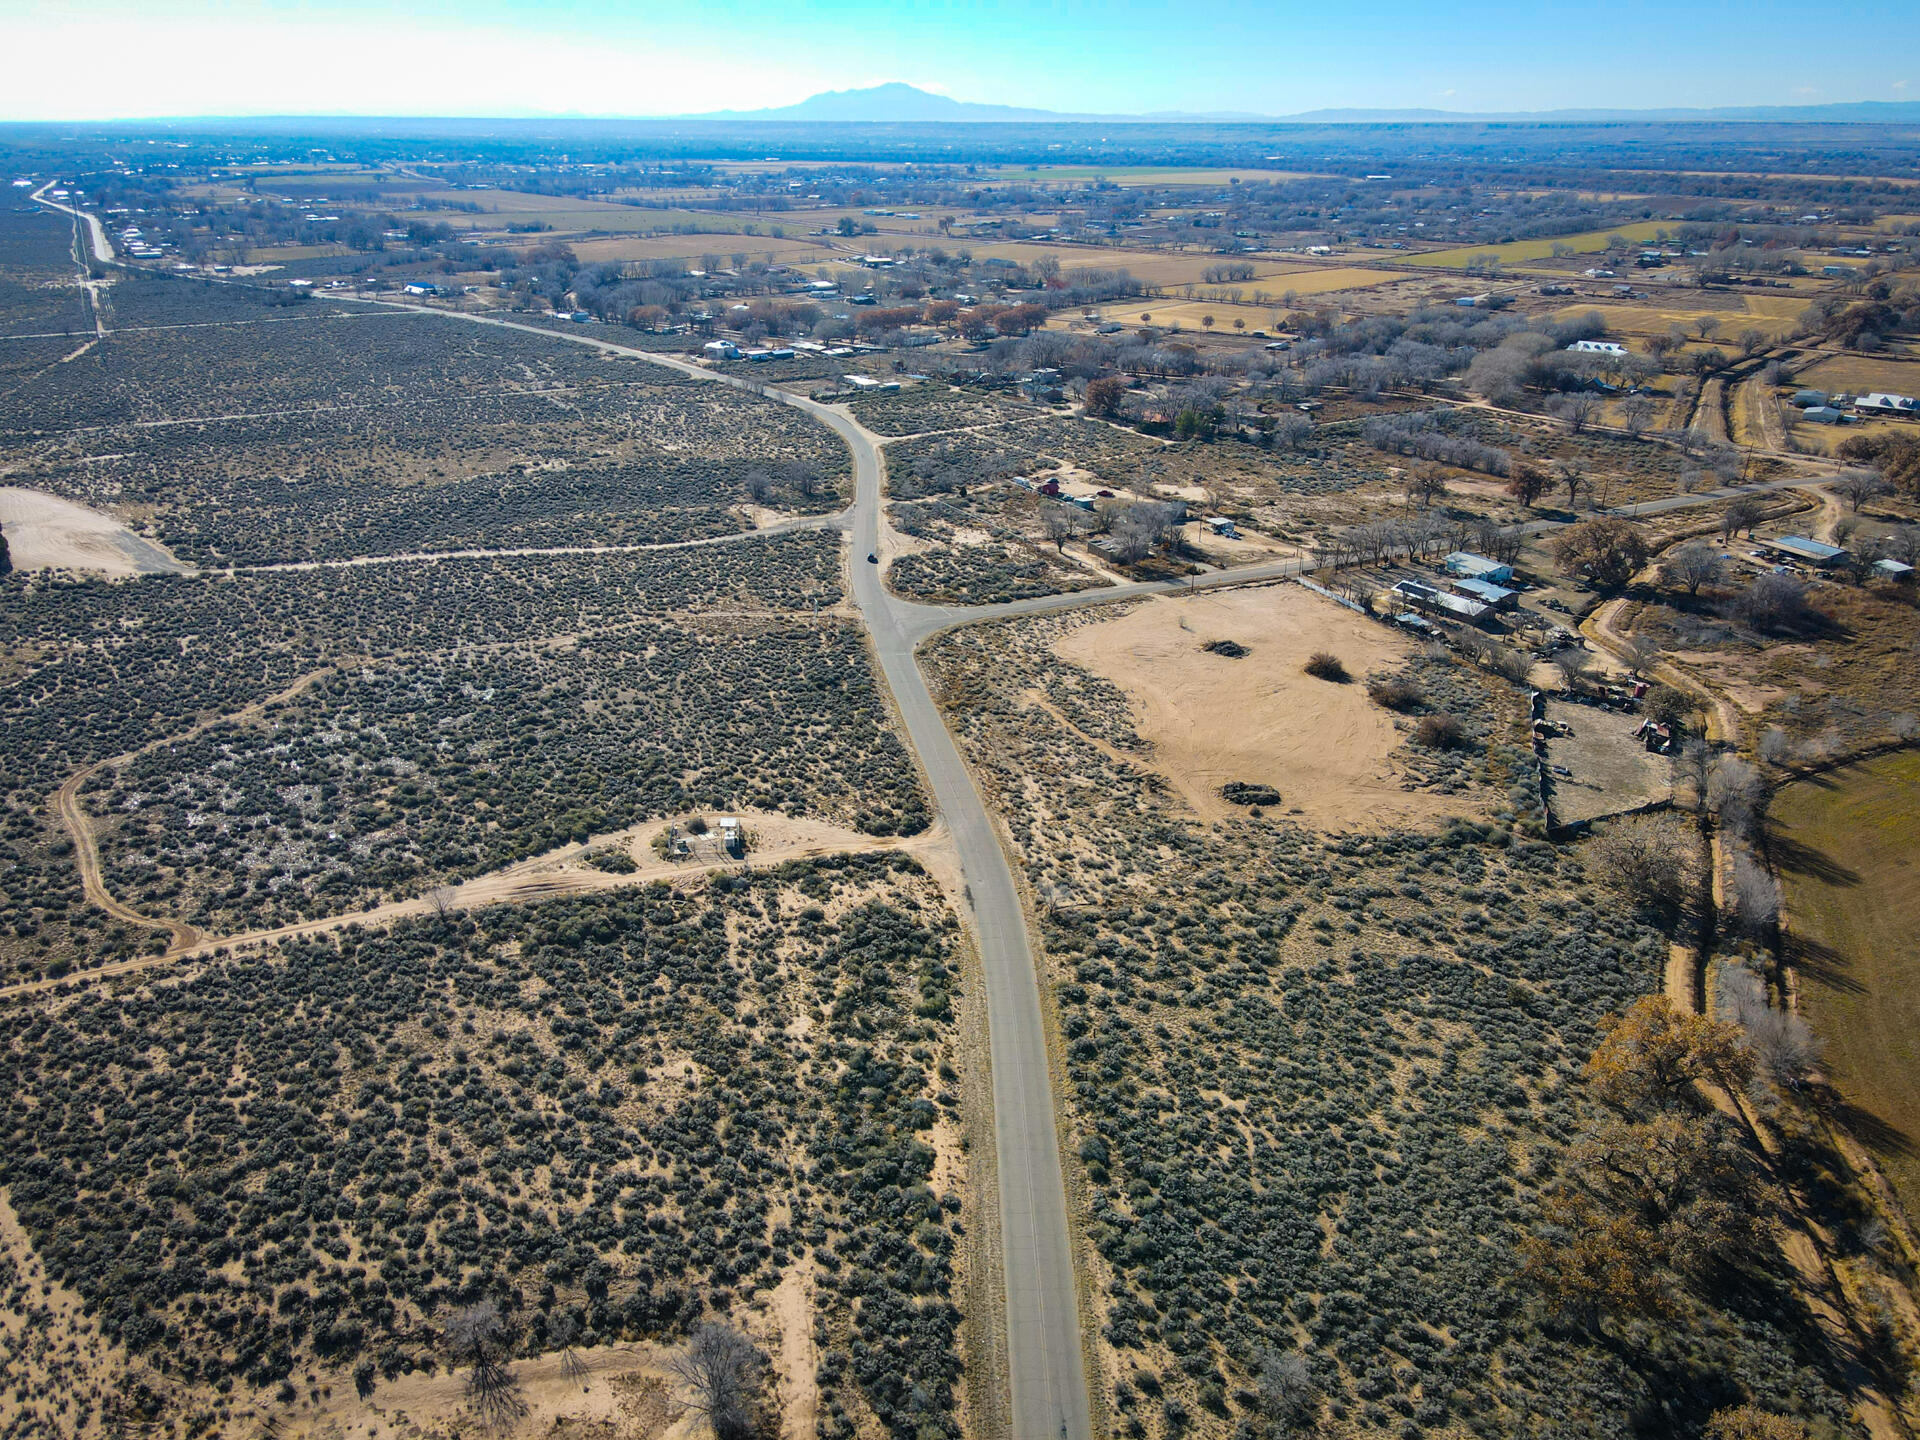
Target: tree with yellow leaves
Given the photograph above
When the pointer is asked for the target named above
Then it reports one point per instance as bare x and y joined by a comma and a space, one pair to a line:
1654, 1054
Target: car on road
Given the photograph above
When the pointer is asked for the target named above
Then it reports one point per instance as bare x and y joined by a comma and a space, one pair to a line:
872, 559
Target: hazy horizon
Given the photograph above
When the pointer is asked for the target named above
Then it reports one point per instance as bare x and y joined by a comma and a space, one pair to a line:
510, 59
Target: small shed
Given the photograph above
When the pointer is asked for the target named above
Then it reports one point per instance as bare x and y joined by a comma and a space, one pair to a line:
1894, 570
1222, 525
731, 838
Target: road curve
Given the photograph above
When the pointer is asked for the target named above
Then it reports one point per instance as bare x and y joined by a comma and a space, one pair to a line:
1046, 1361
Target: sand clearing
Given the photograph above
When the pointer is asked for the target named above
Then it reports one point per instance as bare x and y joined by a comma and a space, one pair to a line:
1326, 748
45, 532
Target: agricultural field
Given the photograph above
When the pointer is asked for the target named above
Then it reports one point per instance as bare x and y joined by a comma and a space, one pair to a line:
1847, 847
1855, 374
1519, 251
1320, 1067
610, 1117
1774, 316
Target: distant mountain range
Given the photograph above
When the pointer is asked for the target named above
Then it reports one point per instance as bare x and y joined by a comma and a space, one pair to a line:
900, 104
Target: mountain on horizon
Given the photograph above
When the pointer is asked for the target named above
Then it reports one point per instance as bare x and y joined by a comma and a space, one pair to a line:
897, 103
894, 103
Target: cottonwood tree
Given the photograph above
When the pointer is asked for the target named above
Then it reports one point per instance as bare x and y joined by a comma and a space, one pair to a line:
1693, 565
1782, 1042
1733, 792
1755, 895
721, 1376
1574, 411
1652, 1055
1856, 487
1638, 414
1742, 513
1607, 551
1060, 523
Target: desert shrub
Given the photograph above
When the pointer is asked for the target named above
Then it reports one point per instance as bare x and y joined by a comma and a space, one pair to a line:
1440, 731
1396, 693
1324, 665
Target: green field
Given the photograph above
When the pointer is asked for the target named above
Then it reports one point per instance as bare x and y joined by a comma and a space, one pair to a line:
1592, 242
1848, 848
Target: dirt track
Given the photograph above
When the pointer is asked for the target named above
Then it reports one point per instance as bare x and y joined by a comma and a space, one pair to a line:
552, 876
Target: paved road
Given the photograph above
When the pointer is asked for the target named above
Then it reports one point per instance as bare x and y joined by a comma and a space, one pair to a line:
1046, 1361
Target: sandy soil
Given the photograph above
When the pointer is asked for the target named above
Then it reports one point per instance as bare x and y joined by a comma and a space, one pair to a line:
51, 1352
45, 532
1326, 748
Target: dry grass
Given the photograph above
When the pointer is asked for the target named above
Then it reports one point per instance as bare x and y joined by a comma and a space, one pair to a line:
1519, 250
1848, 848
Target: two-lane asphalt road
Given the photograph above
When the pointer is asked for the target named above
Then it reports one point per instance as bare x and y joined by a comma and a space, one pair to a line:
1046, 1360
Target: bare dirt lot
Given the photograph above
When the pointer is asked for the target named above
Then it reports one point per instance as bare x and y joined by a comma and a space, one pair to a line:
45, 532
1611, 770
1261, 719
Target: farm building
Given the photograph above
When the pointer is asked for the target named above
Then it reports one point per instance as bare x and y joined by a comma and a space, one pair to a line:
1894, 570
1494, 597
1597, 347
1808, 399
721, 350
422, 287
1221, 525
1427, 597
1805, 550
1478, 567
1823, 415
1879, 402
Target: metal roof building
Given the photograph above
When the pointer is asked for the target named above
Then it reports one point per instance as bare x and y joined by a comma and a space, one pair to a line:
1802, 548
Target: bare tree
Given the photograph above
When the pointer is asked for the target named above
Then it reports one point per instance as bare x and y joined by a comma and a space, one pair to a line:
1693, 565
1637, 857
1856, 487
1641, 652
1574, 411
1572, 474
1059, 523
565, 1331
721, 1377
1638, 413
1775, 747
1755, 894
478, 1338
1742, 513
1289, 1398
1574, 665
1734, 793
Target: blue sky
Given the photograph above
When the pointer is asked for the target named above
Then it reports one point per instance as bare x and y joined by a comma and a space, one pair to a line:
488, 57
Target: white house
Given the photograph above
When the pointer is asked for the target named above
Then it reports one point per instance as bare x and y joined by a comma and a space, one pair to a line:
1879, 402
720, 350
1597, 347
